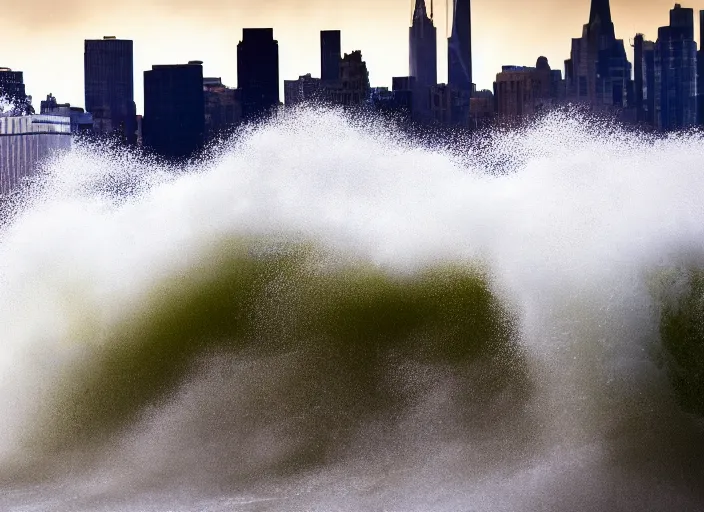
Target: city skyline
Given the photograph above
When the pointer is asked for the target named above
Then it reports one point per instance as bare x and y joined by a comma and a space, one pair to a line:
52, 58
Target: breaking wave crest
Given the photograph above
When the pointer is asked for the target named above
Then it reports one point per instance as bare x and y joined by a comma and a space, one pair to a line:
348, 330
323, 316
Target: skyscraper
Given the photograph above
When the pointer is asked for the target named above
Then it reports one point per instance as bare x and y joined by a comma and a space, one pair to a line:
676, 72
598, 72
258, 71
109, 86
600, 15
422, 46
459, 46
644, 78
330, 55
174, 109
700, 69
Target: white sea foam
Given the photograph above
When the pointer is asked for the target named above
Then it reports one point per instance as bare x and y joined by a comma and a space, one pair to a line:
571, 218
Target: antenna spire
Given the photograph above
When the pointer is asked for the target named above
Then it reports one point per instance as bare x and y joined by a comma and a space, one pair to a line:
419, 11
600, 10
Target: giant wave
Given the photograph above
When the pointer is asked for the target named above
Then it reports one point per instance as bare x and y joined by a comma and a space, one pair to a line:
322, 315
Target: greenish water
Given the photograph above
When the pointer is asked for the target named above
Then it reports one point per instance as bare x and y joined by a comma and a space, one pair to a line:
682, 330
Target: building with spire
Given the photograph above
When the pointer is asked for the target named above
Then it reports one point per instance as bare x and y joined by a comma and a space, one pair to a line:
598, 72
459, 46
422, 46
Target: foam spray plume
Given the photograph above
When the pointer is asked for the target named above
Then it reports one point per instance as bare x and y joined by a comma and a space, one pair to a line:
323, 316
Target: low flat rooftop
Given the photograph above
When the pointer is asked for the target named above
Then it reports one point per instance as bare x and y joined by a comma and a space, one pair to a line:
24, 125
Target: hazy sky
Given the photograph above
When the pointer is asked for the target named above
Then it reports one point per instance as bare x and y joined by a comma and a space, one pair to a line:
44, 38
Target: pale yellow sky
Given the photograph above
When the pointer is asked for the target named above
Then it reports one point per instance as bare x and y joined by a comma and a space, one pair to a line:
45, 38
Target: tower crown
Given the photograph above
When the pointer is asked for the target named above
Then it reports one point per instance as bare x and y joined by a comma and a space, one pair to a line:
600, 19
419, 11
600, 11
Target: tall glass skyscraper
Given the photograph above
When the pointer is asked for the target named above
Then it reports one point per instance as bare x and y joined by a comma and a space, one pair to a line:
174, 109
459, 46
330, 55
423, 47
109, 87
700, 69
258, 71
644, 79
676, 72
598, 72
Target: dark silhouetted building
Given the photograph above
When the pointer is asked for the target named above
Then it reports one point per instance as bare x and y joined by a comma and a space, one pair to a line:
305, 89
109, 87
399, 101
383, 100
481, 109
419, 97
12, 91
598, 72
404, 87
408, 101
330, 55
676, 72
644, 80
81, 121
12, 85
411, 97
459, 46
352, 88
450, 105
521, 92
441, 104
422, 46
223, 107
174, 109
380, 94
700, 69
258, 71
